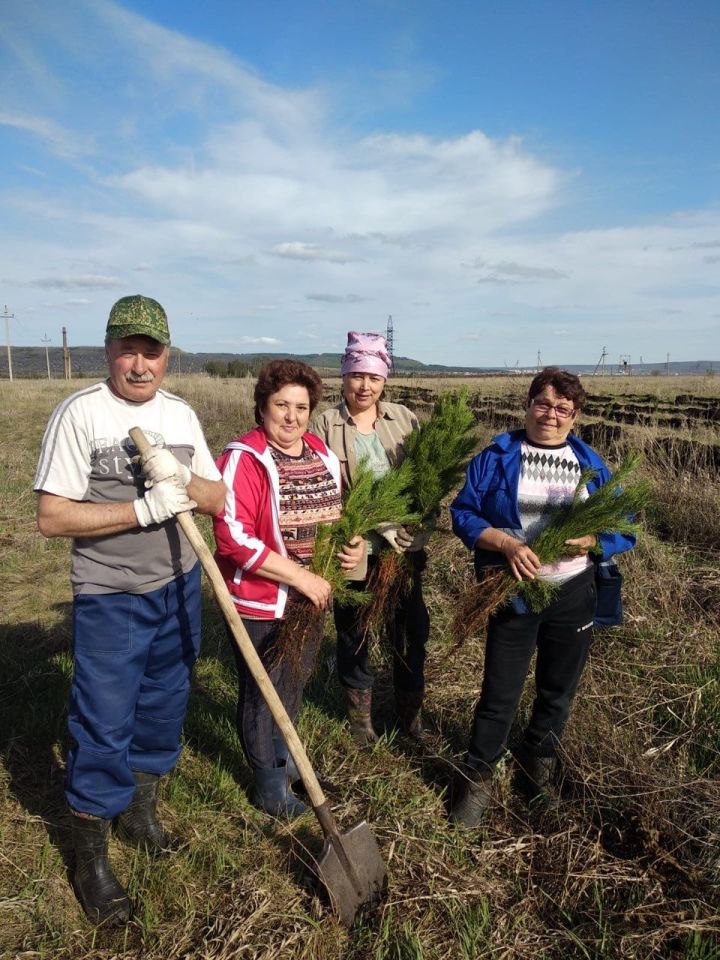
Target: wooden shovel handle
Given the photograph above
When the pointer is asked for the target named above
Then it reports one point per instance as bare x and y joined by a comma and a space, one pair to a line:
240, 635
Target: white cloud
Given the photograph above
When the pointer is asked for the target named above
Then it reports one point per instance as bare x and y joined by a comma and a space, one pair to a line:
297, 250
63, 142
266, 341
87, 280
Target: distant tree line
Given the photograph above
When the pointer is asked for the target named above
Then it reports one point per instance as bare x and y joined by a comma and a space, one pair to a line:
233, 368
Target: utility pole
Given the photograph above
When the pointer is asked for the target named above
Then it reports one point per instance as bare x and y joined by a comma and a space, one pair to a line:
8, 318
539, 362
46, 340
601, 363
66, 356
667, 365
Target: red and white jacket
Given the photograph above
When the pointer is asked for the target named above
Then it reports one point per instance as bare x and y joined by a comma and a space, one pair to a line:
249, 528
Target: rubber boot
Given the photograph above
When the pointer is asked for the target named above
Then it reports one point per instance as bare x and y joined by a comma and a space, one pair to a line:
100, 894
272, 794
470, 811
283, 758
358, 704
138, 825
539, 784
408, 704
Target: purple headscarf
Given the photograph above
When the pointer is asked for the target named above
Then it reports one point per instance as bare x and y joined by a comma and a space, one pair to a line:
366, 353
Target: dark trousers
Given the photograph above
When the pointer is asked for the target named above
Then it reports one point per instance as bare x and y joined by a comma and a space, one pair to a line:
255, 725
562, 634
134, 657
408, 633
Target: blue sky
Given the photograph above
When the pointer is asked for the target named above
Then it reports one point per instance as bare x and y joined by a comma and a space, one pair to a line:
503, 178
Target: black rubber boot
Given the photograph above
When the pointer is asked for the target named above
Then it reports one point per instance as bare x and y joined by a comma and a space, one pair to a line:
100, 894
471, 810
538, 784
358, 704
283, 758
408, 704
138, 826
272, 794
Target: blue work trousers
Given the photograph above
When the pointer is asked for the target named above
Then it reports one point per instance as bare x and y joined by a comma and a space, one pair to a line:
134, 655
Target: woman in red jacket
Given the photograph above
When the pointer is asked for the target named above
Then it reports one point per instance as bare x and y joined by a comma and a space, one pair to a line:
282, 482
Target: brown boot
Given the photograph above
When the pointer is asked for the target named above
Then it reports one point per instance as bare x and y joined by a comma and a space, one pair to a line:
358, 704
408, 704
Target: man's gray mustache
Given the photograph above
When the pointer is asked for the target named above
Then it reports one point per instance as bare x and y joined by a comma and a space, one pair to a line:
140, 377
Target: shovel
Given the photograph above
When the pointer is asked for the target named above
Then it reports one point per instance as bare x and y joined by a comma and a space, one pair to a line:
350, 866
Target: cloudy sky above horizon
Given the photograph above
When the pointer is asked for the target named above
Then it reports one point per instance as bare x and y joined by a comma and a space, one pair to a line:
501, 178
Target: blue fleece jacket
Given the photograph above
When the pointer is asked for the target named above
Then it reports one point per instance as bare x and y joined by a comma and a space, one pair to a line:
489, 496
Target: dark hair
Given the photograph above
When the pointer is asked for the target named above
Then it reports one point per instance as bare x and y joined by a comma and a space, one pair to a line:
280, 373
563, 383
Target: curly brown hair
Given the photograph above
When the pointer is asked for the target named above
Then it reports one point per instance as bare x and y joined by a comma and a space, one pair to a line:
280, 373
564, 384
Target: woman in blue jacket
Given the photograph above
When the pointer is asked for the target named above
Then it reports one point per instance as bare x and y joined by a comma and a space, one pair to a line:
511, 492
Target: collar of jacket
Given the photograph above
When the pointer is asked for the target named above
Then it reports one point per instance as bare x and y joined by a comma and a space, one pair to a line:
384, 412
256, 441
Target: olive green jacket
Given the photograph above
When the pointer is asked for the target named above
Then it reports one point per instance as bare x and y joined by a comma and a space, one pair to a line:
337, 428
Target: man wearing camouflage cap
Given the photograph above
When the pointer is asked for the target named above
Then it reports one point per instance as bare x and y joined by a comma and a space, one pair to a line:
136, 586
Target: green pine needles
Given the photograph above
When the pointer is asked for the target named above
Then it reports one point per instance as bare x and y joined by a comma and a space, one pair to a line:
438, 452
612, 508
370, 501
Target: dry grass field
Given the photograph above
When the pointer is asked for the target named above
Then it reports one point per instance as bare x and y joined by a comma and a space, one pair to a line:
629, 869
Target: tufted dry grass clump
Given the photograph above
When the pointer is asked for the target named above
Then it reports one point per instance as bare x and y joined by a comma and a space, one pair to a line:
629, 868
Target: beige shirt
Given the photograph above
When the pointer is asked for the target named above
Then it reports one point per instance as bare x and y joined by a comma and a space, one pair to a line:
338, 429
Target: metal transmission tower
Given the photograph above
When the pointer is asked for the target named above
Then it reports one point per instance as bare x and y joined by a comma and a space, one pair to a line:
601, 362
389, 336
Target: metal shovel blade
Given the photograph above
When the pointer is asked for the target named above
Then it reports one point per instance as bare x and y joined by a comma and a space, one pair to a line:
347, 892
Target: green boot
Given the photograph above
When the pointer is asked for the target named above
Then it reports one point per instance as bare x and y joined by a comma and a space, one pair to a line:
471, 810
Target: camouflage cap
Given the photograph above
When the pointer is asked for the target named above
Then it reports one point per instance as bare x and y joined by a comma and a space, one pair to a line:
138, 316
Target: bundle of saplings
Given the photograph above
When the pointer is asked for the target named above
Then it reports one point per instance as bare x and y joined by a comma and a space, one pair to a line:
612, 508
436, 454
369, 503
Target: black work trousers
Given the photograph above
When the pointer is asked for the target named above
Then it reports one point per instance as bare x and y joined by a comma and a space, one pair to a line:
408, 633
562, 634
256, 728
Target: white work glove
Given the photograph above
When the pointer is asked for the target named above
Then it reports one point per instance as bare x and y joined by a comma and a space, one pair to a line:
161, 464
162, 501
396, 535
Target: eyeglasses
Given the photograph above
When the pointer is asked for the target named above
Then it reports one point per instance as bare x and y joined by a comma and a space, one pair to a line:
562, 410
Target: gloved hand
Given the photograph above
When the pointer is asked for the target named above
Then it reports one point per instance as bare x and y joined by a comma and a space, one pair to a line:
160, 464
419, 541
162, 501
396, 535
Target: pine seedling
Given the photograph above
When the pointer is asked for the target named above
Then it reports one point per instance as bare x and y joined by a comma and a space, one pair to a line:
439, 451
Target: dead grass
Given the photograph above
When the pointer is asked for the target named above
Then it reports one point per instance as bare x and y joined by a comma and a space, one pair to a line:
629, 869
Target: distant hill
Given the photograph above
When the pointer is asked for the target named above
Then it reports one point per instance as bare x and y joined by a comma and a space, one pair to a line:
90, 362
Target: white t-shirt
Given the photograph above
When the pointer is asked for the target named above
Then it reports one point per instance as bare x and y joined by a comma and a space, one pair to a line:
86, 455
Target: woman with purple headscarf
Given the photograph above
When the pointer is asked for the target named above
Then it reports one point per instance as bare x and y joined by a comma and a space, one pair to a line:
364, 427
